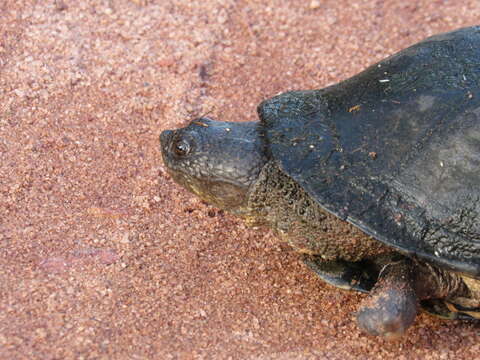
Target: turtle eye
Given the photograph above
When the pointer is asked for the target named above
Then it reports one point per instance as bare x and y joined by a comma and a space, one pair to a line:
181, 147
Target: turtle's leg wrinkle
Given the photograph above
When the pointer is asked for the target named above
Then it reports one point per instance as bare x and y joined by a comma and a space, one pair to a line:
394, 300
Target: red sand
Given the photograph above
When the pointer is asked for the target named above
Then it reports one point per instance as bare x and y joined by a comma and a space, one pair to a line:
102, 256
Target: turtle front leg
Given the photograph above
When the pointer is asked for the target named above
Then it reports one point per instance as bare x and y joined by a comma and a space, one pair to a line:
394, 301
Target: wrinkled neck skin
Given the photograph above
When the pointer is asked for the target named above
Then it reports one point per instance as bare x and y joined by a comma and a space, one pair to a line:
223, 162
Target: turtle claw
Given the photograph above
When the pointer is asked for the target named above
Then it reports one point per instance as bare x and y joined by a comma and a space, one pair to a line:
357, 276
439, 308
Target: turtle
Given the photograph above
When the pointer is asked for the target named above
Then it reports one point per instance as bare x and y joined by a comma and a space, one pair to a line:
374, 180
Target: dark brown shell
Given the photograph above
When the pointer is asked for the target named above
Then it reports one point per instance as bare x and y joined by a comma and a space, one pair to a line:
394, 150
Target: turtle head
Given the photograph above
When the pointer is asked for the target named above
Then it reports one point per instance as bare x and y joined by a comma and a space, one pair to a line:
217, 161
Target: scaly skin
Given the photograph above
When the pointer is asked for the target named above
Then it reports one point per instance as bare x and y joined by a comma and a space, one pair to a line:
227, 165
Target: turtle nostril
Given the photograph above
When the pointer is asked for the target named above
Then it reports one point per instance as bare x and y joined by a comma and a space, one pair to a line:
164, 136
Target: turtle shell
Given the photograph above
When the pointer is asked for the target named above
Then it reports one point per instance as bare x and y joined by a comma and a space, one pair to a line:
394, 150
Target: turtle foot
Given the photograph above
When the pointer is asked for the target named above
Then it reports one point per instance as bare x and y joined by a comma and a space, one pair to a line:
358, 276
392, 305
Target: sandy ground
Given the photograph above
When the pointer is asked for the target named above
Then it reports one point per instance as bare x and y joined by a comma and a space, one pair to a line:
102, 256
